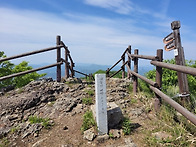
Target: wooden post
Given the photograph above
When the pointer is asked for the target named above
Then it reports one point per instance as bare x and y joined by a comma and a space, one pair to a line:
180, 60
90, 76
107, 73
157, 102
123, 67
135, 79
129, 62
58, 42
72, 71
66, 64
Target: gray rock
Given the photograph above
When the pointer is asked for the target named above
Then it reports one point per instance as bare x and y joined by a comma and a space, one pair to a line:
115, 133
12, 117
34, 128
129, 143
79, 108
161, 135
102, 138
37, 144
89, 134
71, 106
114, 114
137, 112
26, 134
4, 132
128, 140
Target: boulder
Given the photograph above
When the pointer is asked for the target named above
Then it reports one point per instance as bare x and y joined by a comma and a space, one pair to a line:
114, 114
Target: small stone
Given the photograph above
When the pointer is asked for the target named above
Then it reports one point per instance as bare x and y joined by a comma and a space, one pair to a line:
161, 135
115, 133
71, 106
3, 132
129, 143
137, 112
132, 145
35, 134
65, 128
79, 108
102, 138
26, 134
89, 134
128, 140
3, 113
12, 117
37, 144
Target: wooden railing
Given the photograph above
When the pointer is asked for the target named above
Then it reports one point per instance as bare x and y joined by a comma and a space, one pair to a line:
154, 85
69, 64
172, 41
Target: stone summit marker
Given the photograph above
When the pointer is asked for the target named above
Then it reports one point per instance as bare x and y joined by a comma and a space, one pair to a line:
101, 103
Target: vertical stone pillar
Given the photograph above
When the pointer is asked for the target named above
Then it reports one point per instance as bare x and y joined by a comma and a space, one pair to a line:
101, 103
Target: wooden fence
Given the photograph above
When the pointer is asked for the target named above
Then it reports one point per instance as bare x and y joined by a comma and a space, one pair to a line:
69, 64
154, 85
172, 41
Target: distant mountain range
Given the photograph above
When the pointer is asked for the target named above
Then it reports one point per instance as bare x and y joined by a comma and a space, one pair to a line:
85, 68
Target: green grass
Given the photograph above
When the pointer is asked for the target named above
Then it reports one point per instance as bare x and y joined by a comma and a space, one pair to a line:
87, 101
126, 126
69, 84
133, 100
90, 92
111, 135
180, 135
88, 121
20, 90
4, 142
44, 121
14, 129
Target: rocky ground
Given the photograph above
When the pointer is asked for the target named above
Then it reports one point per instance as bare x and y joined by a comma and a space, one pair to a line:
61, 105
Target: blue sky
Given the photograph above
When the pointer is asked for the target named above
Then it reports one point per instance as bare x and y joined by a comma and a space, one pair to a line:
96, 31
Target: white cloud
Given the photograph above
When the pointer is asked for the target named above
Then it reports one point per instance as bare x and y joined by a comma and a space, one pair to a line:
119, 6
90, 39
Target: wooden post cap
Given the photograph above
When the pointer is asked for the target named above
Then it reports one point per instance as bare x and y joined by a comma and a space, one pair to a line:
175, 25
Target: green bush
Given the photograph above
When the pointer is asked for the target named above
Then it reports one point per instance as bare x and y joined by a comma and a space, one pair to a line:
7, 68
170, 79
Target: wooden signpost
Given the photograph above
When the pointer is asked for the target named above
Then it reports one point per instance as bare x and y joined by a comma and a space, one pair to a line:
173, 42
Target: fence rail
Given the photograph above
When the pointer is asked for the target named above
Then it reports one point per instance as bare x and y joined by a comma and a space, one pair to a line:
180, 68
30, 53
156, 86
142, 56
69, 64
29, 71
190, 116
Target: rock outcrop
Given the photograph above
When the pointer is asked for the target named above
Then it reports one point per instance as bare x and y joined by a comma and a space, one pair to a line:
49, 99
